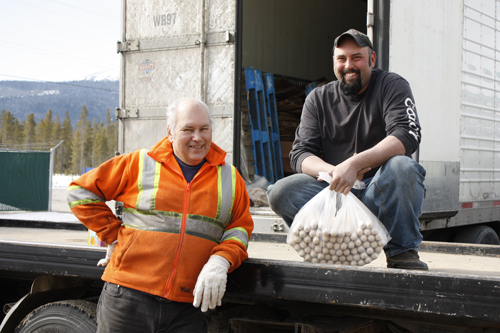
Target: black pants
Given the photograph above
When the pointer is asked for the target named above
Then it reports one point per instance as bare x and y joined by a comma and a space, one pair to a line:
122, 309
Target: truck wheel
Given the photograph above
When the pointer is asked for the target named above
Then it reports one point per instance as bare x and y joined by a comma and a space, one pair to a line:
478, 234
76, 316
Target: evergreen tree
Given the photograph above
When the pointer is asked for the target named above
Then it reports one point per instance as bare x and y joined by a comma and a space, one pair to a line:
29, 131
101, 145
67, 136
78, 153
111, 135
18, 134
57, 137
44, 130
89, 144
8, 128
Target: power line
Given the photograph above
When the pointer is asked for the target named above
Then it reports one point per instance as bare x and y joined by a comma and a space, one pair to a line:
4, 41
47, 42
48, 10
62, 83
86, 10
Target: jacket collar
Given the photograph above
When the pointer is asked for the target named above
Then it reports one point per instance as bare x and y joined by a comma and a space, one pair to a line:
162, 151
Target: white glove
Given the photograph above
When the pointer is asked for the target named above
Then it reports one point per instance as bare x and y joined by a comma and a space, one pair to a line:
109, 252
211, 283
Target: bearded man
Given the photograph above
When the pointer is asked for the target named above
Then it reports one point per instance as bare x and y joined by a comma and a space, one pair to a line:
362, 127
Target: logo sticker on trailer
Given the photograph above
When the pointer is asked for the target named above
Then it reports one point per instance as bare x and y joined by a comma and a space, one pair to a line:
146, 69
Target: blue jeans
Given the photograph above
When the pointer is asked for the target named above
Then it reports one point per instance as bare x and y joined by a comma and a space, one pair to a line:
394, 194
122, 309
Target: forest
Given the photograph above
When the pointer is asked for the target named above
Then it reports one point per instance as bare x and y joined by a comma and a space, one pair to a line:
86, 145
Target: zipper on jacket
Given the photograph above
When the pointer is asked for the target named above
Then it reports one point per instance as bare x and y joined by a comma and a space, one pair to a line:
181, 238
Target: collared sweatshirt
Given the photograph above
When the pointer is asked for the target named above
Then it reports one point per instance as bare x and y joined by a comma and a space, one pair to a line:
170, 227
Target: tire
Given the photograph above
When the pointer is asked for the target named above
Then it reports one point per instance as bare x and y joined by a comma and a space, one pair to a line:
478, 234
75, 316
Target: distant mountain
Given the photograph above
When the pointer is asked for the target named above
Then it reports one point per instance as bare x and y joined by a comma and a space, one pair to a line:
97, 92
109, 75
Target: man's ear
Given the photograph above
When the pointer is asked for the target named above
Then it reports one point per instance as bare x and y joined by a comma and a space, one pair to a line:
170, 134
373, 59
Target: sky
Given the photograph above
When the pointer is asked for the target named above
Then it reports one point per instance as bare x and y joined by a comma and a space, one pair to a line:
58, 40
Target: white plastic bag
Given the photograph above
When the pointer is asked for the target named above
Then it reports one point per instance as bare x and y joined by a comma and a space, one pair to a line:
333, 228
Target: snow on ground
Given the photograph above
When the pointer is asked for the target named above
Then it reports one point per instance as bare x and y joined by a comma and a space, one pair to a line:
62, 181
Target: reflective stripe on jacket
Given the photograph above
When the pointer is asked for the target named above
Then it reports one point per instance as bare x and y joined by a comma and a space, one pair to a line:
170, 228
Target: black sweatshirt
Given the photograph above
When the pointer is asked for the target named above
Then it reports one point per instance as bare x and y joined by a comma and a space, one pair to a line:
334, 126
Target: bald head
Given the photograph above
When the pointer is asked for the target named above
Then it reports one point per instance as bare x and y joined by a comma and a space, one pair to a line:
182, 105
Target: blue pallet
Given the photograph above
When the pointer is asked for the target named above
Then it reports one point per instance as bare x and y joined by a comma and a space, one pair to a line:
258, 120
274, 132
310, 87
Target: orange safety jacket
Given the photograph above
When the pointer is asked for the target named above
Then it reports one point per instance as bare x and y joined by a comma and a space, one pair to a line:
170, 227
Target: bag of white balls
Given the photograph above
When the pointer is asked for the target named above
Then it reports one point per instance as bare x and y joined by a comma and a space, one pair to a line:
337, 229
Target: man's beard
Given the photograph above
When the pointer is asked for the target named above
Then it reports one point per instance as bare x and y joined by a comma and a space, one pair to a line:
351, 88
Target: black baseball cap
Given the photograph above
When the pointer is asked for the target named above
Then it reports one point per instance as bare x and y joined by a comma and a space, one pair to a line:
361, 39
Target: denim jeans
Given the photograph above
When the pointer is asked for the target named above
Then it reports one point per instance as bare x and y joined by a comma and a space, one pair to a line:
394, 194
122, 309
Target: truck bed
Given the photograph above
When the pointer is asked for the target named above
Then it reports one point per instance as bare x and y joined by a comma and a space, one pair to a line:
461, 287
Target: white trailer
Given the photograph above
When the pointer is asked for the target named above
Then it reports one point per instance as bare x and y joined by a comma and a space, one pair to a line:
449, 51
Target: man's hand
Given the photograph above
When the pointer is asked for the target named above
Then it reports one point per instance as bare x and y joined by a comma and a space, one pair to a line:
109, 252
211, 283
345, 174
